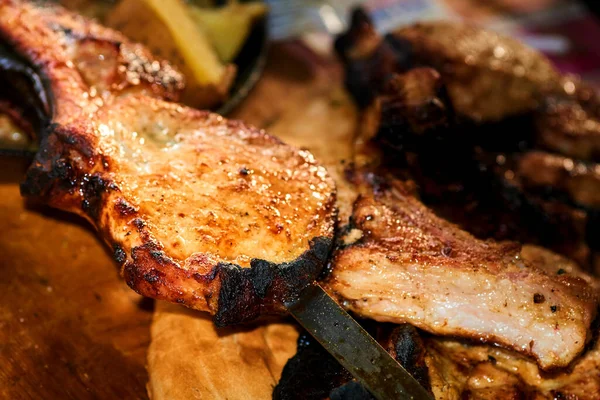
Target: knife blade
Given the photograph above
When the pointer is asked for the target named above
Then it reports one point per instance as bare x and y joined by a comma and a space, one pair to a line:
353, 347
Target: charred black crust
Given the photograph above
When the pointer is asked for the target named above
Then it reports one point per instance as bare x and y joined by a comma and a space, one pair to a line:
151, 276
39, 180
139, 224
365, 74
93, 187
119, 254
592, 229
124, 208
52, 169
314, 374
246, 293
142, 276
311, 374
408, 349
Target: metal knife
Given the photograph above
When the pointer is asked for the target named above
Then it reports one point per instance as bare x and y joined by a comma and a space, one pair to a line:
353, 347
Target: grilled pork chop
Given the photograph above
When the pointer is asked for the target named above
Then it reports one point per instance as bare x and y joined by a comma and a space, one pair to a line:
198, 210
403, 264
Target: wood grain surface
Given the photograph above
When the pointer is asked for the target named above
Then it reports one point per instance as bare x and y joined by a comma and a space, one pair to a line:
70, 328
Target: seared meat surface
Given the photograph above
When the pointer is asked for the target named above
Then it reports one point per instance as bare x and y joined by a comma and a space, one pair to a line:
190, 201
199, 210
410, 266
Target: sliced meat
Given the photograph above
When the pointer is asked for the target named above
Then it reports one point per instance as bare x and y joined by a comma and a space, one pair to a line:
199, 210
410, 266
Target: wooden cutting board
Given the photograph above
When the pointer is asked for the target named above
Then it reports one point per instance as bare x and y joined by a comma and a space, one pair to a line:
69, 326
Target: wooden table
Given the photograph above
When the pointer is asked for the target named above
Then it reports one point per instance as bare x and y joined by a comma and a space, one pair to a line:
70, 328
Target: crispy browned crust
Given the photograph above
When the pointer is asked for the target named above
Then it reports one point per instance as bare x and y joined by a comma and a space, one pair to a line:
83, 166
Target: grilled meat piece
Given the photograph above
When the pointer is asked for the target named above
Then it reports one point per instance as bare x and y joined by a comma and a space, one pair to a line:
198, 210
409, 266
469, 371
490, 79
488, 76
368, 58
201, 211
410, 129
568, 122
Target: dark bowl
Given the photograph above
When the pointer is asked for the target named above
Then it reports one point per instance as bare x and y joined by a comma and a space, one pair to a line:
250, 63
